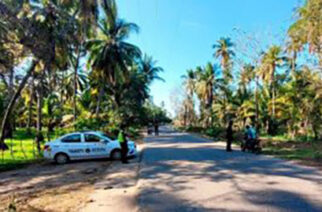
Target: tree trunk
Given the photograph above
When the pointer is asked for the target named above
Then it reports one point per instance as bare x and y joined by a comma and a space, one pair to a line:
10, 124
98, 106
29, 122
185, 116
315, 132
61, 98
273, 101
13, 100
39, 136
294, 58
75, 85
11, 84
257, 105
273, 96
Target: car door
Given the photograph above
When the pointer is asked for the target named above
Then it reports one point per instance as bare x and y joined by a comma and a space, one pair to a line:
96, 145
73, 146
111, 144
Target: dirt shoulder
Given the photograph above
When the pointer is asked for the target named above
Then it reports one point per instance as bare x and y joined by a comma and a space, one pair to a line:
77, 186
117, 190
50, 187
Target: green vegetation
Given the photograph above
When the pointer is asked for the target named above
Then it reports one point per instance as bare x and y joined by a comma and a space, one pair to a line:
23, 148
273, 89
277, 89
67, 65
22, 151
295, 150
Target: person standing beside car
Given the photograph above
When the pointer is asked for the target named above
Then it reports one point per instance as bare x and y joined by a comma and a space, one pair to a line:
123, 143
229, 136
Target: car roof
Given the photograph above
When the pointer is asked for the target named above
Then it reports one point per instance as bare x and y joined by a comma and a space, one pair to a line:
81, 132
88, 131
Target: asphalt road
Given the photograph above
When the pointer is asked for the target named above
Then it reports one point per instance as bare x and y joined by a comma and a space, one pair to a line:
183, 172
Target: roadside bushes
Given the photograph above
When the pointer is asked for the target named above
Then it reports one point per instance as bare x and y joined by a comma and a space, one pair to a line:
90, 124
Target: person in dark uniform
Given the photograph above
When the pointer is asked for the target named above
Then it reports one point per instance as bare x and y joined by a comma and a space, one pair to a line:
123, 142
156, 129
229, 136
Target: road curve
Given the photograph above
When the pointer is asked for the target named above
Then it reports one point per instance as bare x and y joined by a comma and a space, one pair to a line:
183, 172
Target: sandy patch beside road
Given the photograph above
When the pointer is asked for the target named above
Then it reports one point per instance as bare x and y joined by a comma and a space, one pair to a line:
50, 187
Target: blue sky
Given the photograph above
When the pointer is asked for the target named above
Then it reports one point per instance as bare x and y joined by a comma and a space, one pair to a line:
179, 34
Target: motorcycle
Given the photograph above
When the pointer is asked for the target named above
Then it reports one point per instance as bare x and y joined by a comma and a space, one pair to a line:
251, 145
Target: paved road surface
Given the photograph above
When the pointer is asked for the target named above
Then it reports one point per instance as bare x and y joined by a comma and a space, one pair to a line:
182, 172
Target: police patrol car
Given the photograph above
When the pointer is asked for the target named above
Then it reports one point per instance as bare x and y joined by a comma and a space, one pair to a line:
85, 145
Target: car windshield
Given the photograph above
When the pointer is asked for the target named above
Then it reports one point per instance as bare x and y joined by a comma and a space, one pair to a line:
106, 136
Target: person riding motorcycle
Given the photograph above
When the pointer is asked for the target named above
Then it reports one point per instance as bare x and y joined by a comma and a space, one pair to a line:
250, 133
250, 138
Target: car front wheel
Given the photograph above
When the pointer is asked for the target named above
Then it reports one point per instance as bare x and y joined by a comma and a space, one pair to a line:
61, 158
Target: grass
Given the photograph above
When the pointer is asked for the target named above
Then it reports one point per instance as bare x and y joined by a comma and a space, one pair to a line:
22, 149
292, 153
304, 151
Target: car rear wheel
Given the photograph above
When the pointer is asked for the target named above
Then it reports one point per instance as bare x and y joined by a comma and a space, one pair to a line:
61, 158
116, 155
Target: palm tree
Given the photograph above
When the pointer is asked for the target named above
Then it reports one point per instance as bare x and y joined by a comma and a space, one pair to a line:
13, 101
223, 50
271, 60
308, 26
244, 94
150, 70
189, 83
134, 90
206, 85
293, 47
110, 54
247, 74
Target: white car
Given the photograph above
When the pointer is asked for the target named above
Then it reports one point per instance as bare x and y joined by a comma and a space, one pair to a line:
85, 145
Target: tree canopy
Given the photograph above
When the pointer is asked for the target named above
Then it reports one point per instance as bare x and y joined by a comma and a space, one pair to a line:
277, 90
69, 64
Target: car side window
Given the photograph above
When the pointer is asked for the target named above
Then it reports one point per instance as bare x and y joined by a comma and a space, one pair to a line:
75, 138
90, 138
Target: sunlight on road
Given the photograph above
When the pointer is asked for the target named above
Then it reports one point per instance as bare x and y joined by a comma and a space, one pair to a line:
191, 173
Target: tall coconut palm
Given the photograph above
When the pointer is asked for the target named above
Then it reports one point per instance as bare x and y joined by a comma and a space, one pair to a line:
308, 26
293, 47
189, 83
110, 54
247, 74
207, 83
272, 60
150, 70
134, 90
224, 51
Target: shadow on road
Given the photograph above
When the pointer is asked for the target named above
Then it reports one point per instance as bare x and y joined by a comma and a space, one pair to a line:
176, 159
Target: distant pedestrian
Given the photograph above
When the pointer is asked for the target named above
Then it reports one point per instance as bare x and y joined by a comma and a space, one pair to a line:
229, 136
123, 143
156, 129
